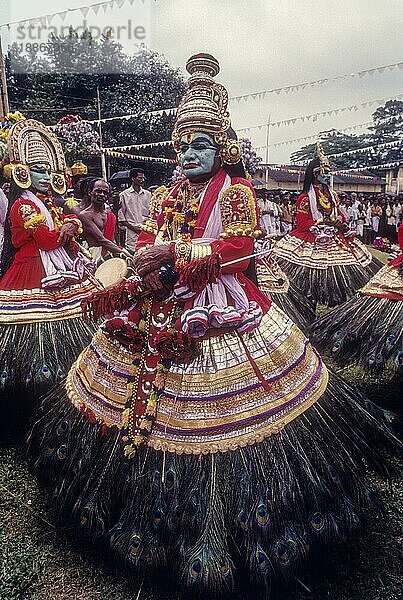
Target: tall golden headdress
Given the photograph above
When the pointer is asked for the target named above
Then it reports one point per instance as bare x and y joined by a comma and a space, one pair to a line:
31, 143
323, 159
204, 108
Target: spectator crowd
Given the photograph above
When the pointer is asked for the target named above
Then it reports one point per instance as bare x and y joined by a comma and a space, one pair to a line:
112, 217
370, 215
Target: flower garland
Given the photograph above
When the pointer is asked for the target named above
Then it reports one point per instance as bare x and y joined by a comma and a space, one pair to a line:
180, 214
128, 334
171, 345
176, 345
55, 212
7, 122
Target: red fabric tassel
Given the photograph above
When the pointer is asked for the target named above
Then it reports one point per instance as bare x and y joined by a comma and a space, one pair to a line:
198, 273
104, 303
266, 385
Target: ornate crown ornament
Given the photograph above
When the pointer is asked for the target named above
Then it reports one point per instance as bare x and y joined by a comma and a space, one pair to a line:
79, 168
30, 143
323, 159
204, 108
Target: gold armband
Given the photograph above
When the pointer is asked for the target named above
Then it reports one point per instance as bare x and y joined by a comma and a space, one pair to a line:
199, 251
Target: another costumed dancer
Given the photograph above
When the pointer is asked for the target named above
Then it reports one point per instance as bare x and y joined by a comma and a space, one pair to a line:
272, 281
43, 284
368, 328
321, 254
200, 433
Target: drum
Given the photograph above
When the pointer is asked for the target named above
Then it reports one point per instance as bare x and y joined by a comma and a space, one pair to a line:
112, 272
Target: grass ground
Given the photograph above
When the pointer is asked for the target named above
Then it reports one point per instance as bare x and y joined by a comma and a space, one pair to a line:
38, 562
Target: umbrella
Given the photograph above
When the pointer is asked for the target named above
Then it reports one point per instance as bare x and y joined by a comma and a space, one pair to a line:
256, 182
120, 176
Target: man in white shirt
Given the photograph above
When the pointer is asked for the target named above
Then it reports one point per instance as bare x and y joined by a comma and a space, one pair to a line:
351, 213
342, 204
397, 213
269, 213
134, 208
354, 200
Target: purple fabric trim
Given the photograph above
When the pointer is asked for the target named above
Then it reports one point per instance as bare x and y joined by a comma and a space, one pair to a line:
236, 424
107, 365
97, 400
245, 389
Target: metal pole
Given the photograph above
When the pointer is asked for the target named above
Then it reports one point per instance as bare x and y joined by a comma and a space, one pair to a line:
267, 147
4, 107
103, 161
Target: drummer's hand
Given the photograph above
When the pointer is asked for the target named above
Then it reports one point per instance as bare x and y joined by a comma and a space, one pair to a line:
66, 233
125, 253
152, 259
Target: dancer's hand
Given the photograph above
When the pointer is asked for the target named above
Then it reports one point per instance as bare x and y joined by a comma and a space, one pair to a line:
67, 232
152, 259
152, 282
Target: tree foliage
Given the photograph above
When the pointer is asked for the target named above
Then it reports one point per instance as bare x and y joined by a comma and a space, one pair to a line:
64, 80
387, 127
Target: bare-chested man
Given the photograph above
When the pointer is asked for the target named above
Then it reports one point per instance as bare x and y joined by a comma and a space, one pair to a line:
98, 223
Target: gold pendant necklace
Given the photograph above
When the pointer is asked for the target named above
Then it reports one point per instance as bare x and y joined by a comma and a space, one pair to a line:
324, 201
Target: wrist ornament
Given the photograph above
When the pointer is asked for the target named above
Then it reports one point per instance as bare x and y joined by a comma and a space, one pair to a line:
76, 222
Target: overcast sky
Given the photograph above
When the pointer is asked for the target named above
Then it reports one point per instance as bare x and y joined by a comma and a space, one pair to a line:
265, 44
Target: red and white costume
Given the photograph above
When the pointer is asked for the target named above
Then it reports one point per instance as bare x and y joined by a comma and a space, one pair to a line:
324, 260
41, 322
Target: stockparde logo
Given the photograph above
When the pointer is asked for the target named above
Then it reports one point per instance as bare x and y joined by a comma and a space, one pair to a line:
55, 41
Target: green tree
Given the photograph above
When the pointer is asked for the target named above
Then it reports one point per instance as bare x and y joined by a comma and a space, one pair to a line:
64, 80
387, 127
334, 142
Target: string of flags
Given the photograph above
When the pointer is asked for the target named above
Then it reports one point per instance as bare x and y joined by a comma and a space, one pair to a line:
138, 157
164, 112
316, 136
46, 20
344, 172
141, 146
365, 149
389, 165
315, 116
301, 86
